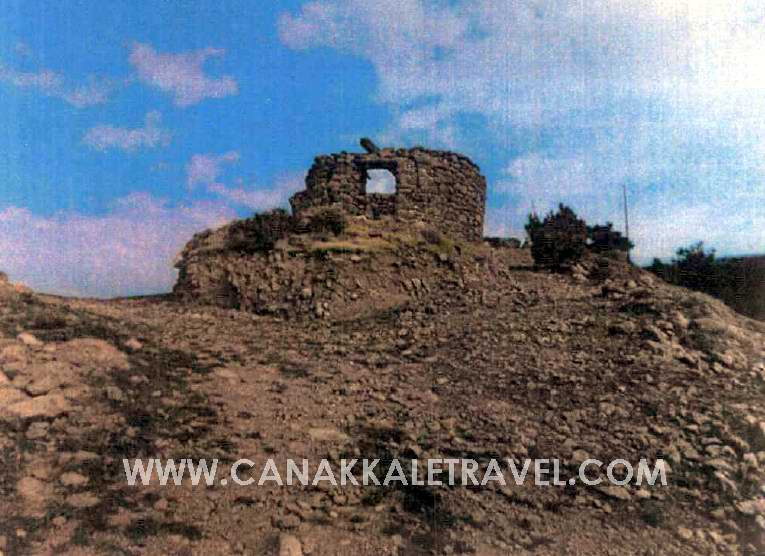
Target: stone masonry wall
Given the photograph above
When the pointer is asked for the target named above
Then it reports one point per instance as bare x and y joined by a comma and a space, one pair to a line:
443, 189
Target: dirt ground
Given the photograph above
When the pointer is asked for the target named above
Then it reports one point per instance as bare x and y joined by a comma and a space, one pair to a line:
536, 365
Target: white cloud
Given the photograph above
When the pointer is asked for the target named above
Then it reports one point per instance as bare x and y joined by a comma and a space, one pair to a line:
181, 74
97, 91
505, 221
51, 83
580, 97
730, 227
205, 168
530, 62
44, 79
127, 251
105, 137
536, 174
261, 198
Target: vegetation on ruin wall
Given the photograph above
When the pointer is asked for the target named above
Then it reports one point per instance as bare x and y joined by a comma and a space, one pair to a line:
260, 232
328, 220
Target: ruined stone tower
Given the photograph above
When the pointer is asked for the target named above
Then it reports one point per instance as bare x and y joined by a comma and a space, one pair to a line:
305, 271
442, 189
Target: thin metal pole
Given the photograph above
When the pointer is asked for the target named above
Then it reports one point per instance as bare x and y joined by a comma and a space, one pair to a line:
626, 219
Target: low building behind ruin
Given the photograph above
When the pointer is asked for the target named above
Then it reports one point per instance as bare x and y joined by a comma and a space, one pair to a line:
442, 189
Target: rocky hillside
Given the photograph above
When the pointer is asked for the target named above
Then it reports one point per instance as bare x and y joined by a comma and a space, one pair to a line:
484, 358
372, 265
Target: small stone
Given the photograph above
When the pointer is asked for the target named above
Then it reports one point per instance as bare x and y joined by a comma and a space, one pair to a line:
720, 465
37, 430
615, 491
92, 353
579, 456
32, 490
327, 435
82, 500
653, 333
114, 394
71, 478
40, 470
750, 460
643, 494
291, 521
13, 354
680, 320
51, 405
9, 396
289, 545
133, 344
29, 340
685, 533
716, 537
182, 540
43, 385
726, 483
726, 359
226, 374
751, 507
84, 455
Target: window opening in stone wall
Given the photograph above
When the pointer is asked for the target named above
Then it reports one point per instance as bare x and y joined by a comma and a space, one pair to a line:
381, 181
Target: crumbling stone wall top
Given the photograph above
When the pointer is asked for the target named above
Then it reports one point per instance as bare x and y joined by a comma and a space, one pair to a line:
442, 189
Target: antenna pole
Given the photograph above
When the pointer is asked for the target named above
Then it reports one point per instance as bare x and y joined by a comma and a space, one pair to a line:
626, 219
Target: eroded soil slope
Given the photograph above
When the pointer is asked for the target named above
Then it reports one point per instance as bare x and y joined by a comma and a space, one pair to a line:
613, 365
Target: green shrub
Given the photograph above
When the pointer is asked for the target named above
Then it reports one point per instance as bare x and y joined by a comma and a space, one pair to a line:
697, 268
260, 232
604, 238
533, 226
693, 267
328, 220
557, 241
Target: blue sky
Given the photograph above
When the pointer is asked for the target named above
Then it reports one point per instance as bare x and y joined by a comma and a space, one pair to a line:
128, 126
